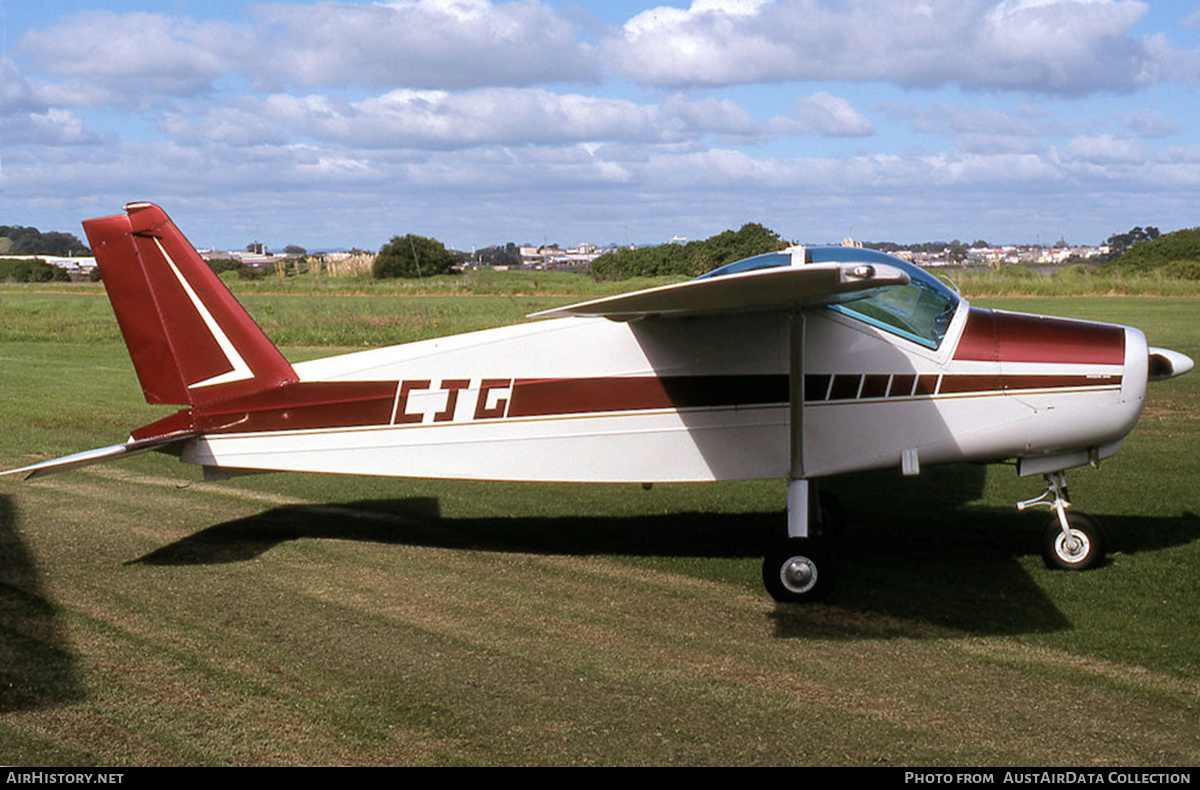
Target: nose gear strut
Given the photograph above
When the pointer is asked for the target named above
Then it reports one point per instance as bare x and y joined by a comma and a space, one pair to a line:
1072, 540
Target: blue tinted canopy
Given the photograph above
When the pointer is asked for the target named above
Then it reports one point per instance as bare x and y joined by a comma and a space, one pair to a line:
920, 311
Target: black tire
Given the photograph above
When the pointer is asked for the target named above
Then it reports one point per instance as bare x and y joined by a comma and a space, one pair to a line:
798, 571
1087, 551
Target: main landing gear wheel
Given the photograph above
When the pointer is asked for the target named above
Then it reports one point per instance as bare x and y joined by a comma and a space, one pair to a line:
798, 570
1083, 548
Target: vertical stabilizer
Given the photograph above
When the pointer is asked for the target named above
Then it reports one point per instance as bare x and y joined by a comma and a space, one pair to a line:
190, 340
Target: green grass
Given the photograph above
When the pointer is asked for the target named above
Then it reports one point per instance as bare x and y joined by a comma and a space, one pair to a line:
148, 618
1076, 280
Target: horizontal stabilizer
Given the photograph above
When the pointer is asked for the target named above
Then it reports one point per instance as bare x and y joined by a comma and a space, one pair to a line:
761, 290
99, 455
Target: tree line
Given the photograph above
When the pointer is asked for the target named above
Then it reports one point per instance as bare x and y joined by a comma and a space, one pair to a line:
19, 240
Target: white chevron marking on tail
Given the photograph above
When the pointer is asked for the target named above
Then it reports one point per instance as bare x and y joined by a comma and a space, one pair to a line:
241, 371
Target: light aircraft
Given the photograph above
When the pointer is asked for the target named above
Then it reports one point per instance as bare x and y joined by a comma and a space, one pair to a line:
798, 364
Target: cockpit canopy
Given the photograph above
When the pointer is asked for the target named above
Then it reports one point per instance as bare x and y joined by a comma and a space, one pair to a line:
920, 311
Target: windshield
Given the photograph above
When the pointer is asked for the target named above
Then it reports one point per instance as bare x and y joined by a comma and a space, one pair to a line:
920, 311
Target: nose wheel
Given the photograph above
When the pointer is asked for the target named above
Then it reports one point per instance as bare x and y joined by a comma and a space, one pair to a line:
1072, 541
1079, 547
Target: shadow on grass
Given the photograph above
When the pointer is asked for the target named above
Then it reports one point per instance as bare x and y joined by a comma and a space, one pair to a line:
912, 551
36, 664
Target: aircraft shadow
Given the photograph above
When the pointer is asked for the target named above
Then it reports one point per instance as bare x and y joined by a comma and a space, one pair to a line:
923, 557
37, 667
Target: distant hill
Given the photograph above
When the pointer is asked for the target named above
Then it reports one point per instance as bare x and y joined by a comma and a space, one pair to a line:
18, 240
1172, 255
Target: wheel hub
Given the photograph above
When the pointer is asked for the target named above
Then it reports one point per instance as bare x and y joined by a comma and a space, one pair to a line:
798, 574
1073, 547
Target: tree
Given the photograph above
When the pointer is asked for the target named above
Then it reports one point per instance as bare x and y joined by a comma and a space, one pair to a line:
31, 271
1173, 254
691, 259
1119, 243
412, 256
18, 240
956, 251
507, 255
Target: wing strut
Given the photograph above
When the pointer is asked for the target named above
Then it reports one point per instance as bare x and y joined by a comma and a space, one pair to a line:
800, 567
797, 492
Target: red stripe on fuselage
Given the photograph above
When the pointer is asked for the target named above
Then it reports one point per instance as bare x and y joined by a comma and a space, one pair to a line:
1014, 337
303, 406
547, 397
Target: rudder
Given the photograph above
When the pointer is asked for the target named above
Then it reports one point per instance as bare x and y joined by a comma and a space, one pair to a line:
191, 342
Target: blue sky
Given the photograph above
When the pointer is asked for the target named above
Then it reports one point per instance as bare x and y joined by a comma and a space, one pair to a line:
343, 123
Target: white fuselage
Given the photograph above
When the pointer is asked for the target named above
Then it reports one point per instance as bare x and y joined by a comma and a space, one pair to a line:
695, 399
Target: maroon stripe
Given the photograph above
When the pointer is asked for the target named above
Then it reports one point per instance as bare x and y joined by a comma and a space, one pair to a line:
303, 406
875, 385
902, 385
956, 385
1014, 337
545, 397
1032, 382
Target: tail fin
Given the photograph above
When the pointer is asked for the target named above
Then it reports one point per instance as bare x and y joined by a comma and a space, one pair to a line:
190, 340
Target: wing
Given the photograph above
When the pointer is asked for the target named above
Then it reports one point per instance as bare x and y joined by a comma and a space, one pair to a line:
784, 288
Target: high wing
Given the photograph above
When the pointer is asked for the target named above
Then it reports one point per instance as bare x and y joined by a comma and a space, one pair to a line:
783, 288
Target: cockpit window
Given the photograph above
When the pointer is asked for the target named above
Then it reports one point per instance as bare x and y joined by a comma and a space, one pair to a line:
920, 311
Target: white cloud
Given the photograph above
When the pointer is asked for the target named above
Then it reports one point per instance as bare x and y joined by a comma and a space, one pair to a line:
104, 58
226, 125
981, 129
492, 116
833, 116
1151, 123
1050, 46
435, 119
710, 115
1105, 149
420, 44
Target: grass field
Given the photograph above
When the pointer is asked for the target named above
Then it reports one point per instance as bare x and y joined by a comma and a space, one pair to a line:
147, 618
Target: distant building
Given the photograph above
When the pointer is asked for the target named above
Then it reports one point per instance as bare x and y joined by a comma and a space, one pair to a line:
79, 268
